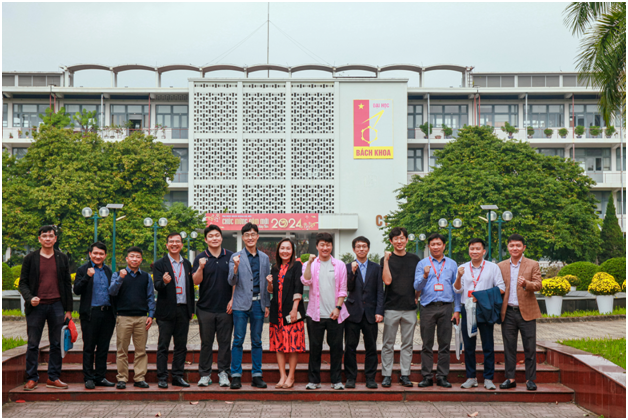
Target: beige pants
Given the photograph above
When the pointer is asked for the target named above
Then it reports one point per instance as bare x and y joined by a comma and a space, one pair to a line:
127, 327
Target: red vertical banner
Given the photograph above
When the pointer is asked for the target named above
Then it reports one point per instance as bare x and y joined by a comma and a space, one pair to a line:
361, 111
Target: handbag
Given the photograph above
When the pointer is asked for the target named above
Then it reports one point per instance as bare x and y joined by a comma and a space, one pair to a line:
299, 318
472, 323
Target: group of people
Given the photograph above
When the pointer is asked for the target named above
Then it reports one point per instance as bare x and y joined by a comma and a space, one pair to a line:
346, 301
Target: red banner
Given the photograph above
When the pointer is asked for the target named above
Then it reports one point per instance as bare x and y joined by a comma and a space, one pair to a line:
264, 221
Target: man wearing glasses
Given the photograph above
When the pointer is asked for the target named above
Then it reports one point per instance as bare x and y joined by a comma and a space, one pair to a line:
248, 270
175, 307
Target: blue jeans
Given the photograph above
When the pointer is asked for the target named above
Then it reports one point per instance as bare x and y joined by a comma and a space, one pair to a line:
35, 322
485, 331
240, 318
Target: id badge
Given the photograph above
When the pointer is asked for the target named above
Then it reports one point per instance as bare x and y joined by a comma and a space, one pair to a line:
438, 287
179, 290
470, 293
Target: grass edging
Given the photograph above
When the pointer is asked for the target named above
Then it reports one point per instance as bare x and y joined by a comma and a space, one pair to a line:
611, 349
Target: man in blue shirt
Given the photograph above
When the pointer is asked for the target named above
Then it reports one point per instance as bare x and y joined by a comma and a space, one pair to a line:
434, 279
96, 314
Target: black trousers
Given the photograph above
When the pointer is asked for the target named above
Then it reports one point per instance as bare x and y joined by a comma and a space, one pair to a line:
435, 319
176, 329
514, 322
352, 337
485, 331
316, 332
52, 314
97, 333
214, 325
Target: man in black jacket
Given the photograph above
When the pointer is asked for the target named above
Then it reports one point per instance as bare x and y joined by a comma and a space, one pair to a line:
97, 314
365, 304
175, 307
46, 286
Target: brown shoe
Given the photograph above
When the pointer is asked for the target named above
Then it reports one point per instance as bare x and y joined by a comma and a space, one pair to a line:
56, 384
30, 385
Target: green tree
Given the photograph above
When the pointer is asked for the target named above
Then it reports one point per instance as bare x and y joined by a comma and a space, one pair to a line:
86, 120
602, 57
55, 119
613, 242
549, 197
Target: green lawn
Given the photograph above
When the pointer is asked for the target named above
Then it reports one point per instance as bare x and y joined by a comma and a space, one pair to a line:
11, 342
612, 349
616, 311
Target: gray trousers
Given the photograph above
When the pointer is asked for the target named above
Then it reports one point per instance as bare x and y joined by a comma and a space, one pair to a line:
393, 320
513, 323
436, 317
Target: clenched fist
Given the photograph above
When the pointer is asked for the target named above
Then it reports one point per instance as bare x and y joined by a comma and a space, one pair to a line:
386, 255
123, 273
35, 301
236, 260
202, 262
91, 272
354, 266
312, 258
167, 278
460, 271
426, 270
269, 278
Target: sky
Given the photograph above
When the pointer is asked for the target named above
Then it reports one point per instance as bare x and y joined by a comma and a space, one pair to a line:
491, 37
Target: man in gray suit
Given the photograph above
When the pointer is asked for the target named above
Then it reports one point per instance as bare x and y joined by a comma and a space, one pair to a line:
251, 303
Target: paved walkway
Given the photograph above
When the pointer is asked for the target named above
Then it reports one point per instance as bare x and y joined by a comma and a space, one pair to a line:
291, 409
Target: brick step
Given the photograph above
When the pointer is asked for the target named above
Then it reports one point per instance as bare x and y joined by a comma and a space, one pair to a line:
75, 355
73, 372
548, 392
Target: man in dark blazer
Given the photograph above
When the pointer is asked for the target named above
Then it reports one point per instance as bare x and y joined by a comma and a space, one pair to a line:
175, 307
97, 314
365, 304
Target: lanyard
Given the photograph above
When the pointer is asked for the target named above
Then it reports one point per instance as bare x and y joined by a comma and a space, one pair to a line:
475, 282
177, 278
441, 269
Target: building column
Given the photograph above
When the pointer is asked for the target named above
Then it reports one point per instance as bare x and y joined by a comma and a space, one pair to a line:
157, 78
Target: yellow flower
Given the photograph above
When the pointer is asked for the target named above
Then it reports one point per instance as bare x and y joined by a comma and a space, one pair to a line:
573, 280
557, 286
603, 284
16, 284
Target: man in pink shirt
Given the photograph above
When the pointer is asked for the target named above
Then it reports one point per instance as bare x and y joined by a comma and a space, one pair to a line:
327, 279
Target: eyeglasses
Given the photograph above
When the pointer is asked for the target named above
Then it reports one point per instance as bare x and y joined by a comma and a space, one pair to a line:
47, 236
249, 235
361, 247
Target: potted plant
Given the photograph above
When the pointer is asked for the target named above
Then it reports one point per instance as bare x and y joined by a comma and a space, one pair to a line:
573, 281
447, 131
609, 131
548, 132
563, 133
554, 289
423, 128
530, 132
604, 287
507, 128
594, 130
579, 131
10, 135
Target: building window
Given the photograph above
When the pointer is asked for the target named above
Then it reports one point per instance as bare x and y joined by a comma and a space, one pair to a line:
415, 119
137, 114
602, 197
594, 160
415, 160
586, 116
71, 110
182, 172
174, 117
619, 166
27, 116
453, 116
618, 207
5, 115
541, 117
433, 163
172, 197
552, 152
19, 152
498, 115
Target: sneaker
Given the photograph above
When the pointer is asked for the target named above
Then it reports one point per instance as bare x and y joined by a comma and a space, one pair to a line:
205, 381
338, 386
470, 383
312, 386
223, 379
488, 384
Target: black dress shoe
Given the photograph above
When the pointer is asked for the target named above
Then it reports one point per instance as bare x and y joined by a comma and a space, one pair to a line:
507, 384
426, 382
121, 385
140, 384
163, 384
350, 383
258, 382
180, 382
531, 386
89, 384
104, 382
236, 382
405, 381
443, 382
370, 383
387, 382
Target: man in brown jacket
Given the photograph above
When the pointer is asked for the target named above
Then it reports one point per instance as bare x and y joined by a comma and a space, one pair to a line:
520, 310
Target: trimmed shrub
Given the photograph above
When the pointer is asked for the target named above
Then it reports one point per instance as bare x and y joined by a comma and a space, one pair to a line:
347, 257
16, 271
583, 270
616, 267
7, 277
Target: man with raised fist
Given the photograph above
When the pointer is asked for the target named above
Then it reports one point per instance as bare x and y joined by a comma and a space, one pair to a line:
135, 298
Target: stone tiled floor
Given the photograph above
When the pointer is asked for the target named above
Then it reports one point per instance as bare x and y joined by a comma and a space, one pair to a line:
265, 409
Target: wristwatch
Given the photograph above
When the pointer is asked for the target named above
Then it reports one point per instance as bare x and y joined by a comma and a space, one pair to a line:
339, 308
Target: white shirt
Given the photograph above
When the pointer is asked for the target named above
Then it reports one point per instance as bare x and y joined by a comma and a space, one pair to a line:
327, 289
491, 276
514, 276
179, 269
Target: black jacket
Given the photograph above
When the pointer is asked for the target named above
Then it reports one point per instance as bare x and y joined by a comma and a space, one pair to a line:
29, 280
167, 293
365, 296
291, 285
83, 285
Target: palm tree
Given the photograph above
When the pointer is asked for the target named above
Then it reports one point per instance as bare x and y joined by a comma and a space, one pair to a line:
602, 57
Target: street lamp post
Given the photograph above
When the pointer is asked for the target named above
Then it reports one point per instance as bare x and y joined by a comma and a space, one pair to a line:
412, 237
161, 223
102, 213
422, 237
115, 208
507, 217
444, 224
193, 235
492, 216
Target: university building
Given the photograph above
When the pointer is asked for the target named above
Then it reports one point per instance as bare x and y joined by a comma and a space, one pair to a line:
327, 152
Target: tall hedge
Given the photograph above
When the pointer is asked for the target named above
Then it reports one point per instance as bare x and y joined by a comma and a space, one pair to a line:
7, 277
616, 267
613, 242
583, 270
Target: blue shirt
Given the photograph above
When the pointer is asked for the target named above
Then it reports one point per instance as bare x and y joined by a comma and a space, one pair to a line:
178, 267
254, 263
116, 284
100, 287
447, 278
362, 268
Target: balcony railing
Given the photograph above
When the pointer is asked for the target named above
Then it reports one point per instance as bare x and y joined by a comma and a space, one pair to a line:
522, 134
180, 177
106, 133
